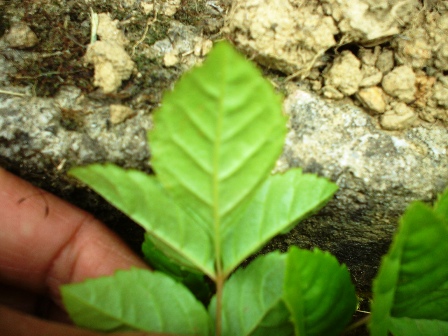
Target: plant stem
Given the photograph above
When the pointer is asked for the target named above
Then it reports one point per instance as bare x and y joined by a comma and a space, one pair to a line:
357, 324
219, 288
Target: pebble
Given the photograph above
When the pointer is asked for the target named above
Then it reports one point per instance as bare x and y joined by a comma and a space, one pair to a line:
332, 93
21, 36
372, 98
371, 76
385, 62
170, 59
119, 113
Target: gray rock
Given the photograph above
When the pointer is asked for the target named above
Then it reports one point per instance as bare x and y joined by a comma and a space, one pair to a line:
41, 138
69, 128
378, 173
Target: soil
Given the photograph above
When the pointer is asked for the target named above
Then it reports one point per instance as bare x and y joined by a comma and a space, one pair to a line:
378, 55
389, 57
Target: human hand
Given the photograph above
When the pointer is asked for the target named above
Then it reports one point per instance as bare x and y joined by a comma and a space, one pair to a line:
45, 243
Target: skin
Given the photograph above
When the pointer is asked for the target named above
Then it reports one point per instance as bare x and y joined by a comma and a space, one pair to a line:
45, 243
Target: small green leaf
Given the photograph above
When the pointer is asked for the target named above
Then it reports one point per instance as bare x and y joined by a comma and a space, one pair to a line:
216, 137
318, 292
252, 300
135, 300
142, 198
413, 278
194, 281
277, 206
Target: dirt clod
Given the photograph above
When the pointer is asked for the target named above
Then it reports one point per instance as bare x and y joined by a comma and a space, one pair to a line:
368, 22
393, 40
110, 59
400, 83
345, 74
441, 92
112, 64
286, 35
400, 117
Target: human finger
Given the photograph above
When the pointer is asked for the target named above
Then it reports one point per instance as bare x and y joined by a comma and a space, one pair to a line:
46, 242
14, 323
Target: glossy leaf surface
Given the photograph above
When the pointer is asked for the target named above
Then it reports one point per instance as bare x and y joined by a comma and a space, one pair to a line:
135, 300
413, 279
318, 292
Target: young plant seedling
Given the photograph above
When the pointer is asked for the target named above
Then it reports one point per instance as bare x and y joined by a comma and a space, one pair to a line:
212, 203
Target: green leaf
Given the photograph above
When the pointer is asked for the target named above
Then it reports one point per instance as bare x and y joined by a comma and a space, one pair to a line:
252, 300
141, 197
441, 206
318, 292
413, 278
135, 300
277, 206
275, 322
217, 136
160, 262
412, 327
194, 281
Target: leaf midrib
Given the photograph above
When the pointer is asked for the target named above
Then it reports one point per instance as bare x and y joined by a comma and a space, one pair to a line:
215, 176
